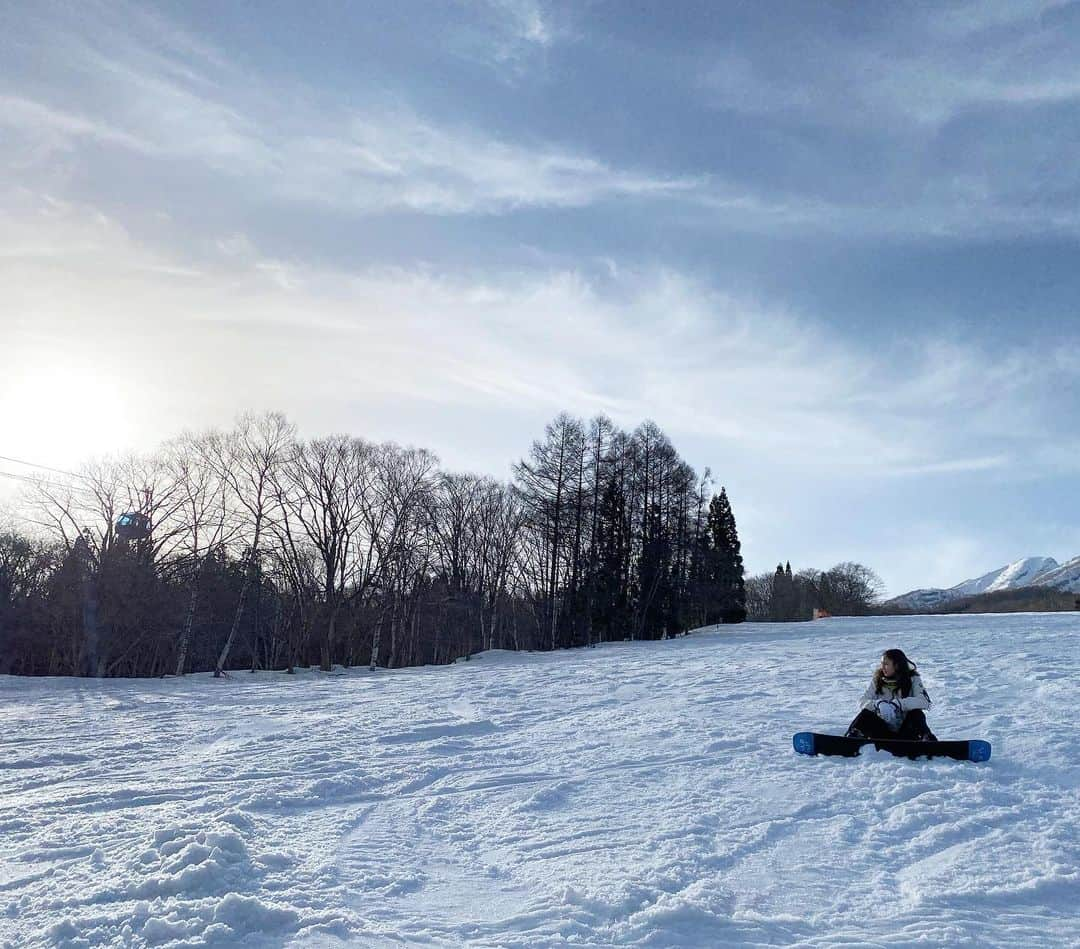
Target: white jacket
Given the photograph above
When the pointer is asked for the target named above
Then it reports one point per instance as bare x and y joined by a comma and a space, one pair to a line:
917, 699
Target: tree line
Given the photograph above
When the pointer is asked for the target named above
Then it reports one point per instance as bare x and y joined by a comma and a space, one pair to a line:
263, 550
847, 589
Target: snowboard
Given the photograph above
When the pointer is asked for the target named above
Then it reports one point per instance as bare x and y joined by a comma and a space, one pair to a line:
811, 743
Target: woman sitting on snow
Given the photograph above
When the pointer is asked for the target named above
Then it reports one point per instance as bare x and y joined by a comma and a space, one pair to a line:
892, 707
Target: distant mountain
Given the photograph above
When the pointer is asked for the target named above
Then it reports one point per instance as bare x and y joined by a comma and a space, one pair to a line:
1020, 574
1029, 572
1064, 577
919, 601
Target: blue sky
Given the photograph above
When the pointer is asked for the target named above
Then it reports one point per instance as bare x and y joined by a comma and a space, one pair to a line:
832, 249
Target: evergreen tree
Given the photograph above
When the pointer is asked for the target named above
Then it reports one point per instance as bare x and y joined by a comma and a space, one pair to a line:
654, 578
726, 561
778, 605
609, 617
700, 589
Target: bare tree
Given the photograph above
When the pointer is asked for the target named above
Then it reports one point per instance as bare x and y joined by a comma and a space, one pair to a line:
247, 461
80, 512
394, 520
848, 589
323, 489
759, 596
500, 518
545, 484
451, 512
202, 516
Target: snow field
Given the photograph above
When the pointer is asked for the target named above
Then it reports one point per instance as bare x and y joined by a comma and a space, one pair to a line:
636, 794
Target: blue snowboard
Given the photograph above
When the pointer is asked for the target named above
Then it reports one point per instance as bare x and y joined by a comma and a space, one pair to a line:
811, 743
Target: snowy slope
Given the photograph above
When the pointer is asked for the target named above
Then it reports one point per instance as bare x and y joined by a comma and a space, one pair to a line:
636, 794
1021, 573
1064, 577
1014, 575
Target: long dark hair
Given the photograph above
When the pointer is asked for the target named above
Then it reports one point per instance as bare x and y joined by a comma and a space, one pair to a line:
904, 667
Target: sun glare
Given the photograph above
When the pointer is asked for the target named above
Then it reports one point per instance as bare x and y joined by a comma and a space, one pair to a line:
61, 416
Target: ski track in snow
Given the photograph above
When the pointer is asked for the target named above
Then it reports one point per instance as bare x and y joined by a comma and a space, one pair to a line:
638, 794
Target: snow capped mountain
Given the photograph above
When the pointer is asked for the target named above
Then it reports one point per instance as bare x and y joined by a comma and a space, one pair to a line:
1022, 573
1031, 571
1064, 577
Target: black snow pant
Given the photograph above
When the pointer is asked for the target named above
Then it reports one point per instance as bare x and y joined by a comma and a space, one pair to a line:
913, 728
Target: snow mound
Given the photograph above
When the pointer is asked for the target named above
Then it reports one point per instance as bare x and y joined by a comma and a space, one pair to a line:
193, 862
186, 889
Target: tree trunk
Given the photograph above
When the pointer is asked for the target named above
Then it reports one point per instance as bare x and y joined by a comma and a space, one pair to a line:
185, 635
327, 646
92, 663
376, 641
224, 657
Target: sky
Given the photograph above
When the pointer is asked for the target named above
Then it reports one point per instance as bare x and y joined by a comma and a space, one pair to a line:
831, 249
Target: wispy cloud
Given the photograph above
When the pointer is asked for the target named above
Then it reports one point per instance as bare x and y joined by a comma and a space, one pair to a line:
649, 342
471, 365
939, 62
511, 37
398, 160
151, 96
524, 21
132, 82
62, 126
958, 119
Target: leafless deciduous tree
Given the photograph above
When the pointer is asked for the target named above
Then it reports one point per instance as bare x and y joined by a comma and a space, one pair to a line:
248, 461
201, 522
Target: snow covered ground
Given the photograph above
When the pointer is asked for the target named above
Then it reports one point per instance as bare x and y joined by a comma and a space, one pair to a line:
636, 794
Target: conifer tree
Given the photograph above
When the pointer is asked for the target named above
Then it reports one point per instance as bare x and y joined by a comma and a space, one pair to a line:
609, 601
654, 578
727, 560
789, 595
700, 587
778, 605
